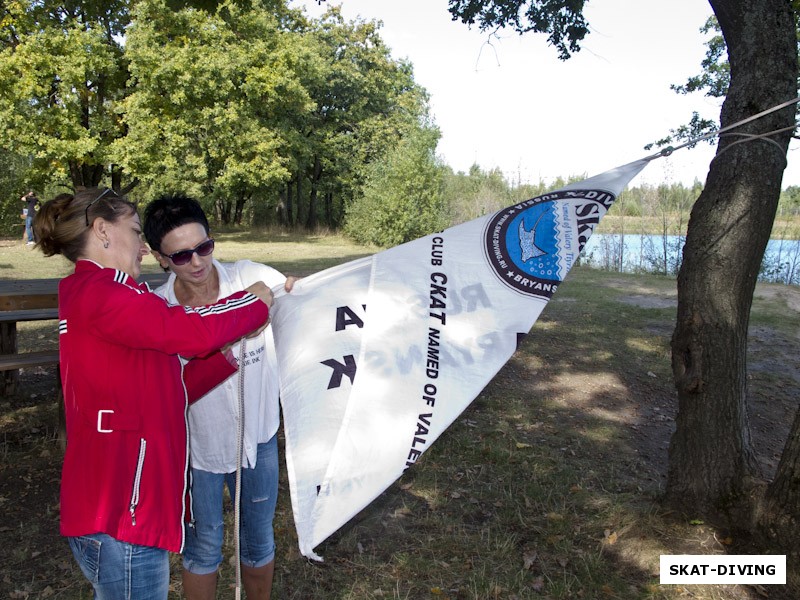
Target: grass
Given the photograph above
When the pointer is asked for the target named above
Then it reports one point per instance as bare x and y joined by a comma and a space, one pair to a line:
290, 253
547, 486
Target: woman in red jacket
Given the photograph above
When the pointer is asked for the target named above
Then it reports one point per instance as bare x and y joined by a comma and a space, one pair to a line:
123, 485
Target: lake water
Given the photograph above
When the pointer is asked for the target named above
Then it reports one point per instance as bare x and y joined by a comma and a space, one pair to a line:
661, 254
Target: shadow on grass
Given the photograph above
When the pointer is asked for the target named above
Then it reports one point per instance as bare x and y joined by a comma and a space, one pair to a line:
547, 486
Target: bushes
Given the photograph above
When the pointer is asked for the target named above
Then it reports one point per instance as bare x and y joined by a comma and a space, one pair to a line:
402, 197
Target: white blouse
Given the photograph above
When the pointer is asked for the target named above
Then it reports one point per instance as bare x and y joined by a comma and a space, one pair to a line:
214, 419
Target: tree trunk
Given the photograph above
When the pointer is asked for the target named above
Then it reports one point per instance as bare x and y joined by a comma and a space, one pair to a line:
329, 218
311, 218
299, 200
84, 175
280, 209
780, 517
289, 210
711, 459
116, 178
239, 209
223, 210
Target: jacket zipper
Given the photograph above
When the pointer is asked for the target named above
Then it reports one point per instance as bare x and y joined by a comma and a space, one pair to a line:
137, 479
187, 490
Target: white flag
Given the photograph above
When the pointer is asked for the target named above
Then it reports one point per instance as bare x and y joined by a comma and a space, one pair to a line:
378, 356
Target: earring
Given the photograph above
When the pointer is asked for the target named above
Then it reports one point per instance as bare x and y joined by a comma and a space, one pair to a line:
105, 244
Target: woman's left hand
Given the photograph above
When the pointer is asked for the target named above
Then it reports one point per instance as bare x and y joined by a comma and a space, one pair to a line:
290, 283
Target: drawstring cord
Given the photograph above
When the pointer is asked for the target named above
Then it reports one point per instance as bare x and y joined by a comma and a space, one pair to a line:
239, 455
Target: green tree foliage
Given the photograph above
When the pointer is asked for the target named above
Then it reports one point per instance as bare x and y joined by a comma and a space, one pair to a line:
243, 104
210, 94
365, 104
476, 193
713, 81
14, 171
62, 75
257, 102
790, 201
561, 20
402, 197
716, 74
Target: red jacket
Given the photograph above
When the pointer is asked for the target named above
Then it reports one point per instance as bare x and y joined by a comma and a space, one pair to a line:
126, 394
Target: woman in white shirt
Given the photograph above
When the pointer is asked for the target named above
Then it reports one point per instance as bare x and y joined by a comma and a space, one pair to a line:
178, 233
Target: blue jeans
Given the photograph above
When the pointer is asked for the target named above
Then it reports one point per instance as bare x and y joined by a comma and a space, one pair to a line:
202, 552
121, 571
29, 228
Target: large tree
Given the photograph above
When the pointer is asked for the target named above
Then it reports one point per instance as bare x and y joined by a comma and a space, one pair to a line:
712, 470
712, 465
365, 103
402, 196
62, 73
209, 91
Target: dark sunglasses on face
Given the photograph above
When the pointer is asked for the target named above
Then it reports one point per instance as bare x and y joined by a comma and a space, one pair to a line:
184, 256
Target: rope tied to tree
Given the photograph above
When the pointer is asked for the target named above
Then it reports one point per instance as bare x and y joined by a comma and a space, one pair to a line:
749, 137
667, 151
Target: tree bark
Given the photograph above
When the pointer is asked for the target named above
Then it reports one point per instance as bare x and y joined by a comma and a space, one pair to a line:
223, 210
299, 199
781, 514
311, 217
85, 175
241, 200
289, 210
711, 460
329, 218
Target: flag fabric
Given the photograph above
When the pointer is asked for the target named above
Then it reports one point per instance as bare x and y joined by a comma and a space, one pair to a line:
378, 356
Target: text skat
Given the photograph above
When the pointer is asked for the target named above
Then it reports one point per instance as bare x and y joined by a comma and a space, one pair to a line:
741, 570
588, 216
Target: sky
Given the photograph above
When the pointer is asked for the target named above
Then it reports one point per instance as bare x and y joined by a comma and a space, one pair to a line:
508, 102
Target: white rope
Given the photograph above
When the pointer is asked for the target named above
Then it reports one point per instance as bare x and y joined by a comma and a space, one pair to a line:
239, 457
670, 149
749, 137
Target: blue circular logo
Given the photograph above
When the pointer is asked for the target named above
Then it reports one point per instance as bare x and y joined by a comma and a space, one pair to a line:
532, 245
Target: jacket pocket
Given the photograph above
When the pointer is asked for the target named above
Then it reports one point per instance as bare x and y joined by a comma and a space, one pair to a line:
137, 479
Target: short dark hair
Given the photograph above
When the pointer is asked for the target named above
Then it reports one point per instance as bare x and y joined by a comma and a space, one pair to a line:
168, 212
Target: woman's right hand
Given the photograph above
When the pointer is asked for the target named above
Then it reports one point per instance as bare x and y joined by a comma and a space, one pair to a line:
260, 289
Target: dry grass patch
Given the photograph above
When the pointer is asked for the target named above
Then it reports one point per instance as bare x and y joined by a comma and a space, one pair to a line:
546, 487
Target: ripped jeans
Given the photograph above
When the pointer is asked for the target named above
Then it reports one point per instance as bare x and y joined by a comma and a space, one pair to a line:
202, 552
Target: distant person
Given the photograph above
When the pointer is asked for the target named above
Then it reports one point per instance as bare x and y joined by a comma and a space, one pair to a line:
124, 478
29, 212
178, 233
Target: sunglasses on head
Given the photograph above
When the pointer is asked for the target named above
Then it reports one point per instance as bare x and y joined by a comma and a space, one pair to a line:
88, 206
184, 256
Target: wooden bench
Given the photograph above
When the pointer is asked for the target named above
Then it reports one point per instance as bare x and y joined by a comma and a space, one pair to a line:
13, 362
32, 300
10, 359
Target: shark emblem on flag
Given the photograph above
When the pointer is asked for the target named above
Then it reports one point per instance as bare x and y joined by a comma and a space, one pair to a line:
527, 241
